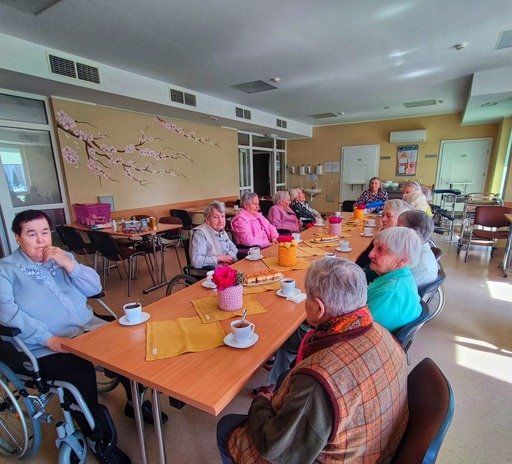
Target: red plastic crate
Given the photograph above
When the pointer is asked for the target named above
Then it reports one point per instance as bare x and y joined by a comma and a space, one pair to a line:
88, 210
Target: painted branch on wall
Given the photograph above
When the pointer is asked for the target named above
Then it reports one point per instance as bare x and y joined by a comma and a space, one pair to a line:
102, 157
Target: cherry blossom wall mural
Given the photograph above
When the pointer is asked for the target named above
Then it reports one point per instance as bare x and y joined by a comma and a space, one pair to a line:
138, 160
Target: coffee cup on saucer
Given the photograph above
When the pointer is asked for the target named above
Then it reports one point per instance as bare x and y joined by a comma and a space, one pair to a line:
288, 286
296, 236
319, 222
209, 277
344, 245
133, 311
371, 223
337, 213
368, 231
242, 330
254, 253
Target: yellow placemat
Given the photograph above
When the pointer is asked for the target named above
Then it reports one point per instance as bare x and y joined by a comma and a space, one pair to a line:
209, 311
305, 252
272, 264
334, 243
262, 288
170, 338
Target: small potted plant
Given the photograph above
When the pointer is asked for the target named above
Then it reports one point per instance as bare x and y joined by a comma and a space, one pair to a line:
335, 225
229, 288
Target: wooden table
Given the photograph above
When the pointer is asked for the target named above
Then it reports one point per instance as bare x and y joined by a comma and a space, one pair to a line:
508, 247
207, 380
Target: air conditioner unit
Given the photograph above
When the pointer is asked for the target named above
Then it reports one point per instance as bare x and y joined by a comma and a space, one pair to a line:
419, 135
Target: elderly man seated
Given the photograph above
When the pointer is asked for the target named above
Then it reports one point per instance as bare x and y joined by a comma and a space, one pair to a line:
426, 269
316, 414
210, 244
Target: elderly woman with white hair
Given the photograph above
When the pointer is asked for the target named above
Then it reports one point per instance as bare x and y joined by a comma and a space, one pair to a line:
250, 227
281, 216
392, 209
315, 415
426, 269
302, 210
393, 296
210, 244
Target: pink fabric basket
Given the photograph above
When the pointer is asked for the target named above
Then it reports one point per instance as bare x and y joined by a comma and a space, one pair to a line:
335, 228
231, 298
84, 211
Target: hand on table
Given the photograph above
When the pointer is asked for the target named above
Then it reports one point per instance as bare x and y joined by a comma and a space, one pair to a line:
227, 259
55, 344
59, 256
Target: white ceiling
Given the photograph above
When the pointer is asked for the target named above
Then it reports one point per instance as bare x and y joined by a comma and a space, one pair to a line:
342, 56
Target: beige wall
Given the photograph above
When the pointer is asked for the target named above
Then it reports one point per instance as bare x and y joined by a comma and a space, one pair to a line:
209, 168
326, 143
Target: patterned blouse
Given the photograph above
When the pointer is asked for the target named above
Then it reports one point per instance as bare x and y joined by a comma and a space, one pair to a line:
368, 197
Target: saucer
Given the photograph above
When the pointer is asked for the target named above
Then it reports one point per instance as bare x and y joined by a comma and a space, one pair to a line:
250, 258
318, 224
362, 234
230, 341
123, 320
280, 293
207, 284
345, 251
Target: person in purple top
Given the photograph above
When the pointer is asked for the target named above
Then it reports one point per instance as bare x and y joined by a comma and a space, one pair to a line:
281, 215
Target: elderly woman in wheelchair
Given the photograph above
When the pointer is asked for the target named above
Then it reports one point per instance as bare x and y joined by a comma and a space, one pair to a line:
43, 293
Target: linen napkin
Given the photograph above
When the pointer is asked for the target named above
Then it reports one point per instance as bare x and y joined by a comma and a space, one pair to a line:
208, 310
165, 339
272, 264
299, 298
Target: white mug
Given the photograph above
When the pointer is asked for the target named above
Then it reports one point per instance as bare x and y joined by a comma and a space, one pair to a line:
254, 253
236, 207
296, 236
288, 286
209, 277
242, 333
337, 213
132, 311
368, 231
344, 245
371, 223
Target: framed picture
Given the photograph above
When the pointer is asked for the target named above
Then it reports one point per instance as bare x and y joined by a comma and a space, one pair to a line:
406, 160
107, 199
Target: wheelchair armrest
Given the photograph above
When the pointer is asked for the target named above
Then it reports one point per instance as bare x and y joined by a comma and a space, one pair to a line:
99, 295
9, 331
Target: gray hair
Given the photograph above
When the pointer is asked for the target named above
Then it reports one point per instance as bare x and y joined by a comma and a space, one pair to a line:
247, 197
294, 193
414, 185
397, 205
419, 221
218, 205
339, 283
402, 242
280, 195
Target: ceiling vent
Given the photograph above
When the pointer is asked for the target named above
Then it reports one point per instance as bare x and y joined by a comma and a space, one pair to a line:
254, 87
419, 135
68, 68
241, 113
416, 104
504, 40
322, 115
281, 123
177, 96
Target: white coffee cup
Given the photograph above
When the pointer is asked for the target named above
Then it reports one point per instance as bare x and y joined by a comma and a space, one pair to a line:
344, 245
319, 222
236, 207
337, 213
371, 223
254, 253
209, 277
368, 231
242, 333
132, 311
296, 236
288, 286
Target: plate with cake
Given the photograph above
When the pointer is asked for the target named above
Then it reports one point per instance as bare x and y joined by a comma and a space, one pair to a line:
325, 238
267, 276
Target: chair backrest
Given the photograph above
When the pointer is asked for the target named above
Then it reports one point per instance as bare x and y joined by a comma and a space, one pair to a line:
431, 287
265, 206
105, 245
172, 234
406, 334
72, 239
186, 220
348, 206
491, 216
437, 252
431, 406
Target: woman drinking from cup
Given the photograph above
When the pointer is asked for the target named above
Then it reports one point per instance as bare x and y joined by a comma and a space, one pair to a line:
250, 227
210, 244
281, 215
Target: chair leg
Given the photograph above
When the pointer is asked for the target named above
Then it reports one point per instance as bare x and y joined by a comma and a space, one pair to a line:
467, 246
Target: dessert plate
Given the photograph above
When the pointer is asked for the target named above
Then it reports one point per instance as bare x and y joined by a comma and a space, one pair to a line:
123, 320
270, 281
229, 340
295, 292
362, 234
347, 250
250, 258
317, 240
207, 284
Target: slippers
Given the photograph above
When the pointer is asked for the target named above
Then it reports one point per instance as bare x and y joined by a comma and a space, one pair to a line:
264, 389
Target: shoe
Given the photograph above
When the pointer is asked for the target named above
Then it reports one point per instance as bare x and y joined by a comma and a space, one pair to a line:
269, 363
264, 389
116, 456
147, 412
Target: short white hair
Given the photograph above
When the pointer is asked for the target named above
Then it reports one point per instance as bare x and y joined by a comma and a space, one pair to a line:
397, 205
414, 185
339, 283
294, 193
280, 195
247, 197
419, 221
402, 242
218, 205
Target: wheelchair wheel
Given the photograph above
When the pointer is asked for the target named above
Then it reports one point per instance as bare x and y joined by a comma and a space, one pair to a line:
104, 382
179, 282
20, 434
67, 455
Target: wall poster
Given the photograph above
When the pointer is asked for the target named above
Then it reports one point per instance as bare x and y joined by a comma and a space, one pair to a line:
406, 160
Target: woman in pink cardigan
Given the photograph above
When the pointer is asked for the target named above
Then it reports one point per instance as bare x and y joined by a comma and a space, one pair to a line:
250, 227
281, 215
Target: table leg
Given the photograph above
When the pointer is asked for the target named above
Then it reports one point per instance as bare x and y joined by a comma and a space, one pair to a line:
139, 422
162, 458
507, 255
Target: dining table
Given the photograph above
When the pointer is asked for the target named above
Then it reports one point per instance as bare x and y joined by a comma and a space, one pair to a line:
209, 380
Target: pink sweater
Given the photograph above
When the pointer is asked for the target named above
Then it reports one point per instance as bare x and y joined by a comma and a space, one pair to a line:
283, 218
253, 230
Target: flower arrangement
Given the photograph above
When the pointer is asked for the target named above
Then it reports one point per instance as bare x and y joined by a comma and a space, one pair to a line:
335, 220
287, 251
225, 276
335, 225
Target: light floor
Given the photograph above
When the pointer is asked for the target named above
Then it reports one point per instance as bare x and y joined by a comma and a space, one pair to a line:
470, 341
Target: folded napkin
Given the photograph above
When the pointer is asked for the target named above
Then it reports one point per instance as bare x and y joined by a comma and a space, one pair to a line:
170, 338
262, 288
209, 311
272, 264
299, 298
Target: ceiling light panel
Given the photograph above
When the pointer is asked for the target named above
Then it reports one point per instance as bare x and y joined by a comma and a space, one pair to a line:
322, 115
254, 87
416, 104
